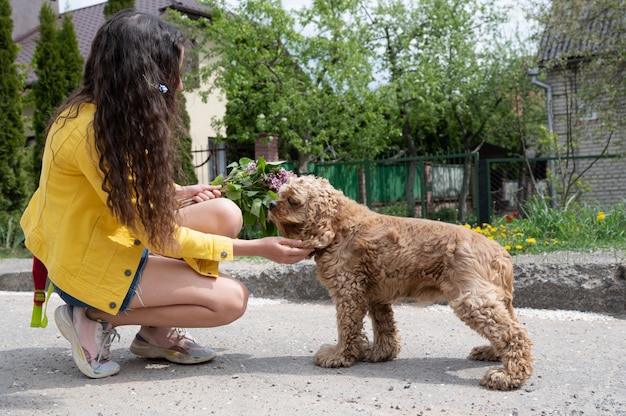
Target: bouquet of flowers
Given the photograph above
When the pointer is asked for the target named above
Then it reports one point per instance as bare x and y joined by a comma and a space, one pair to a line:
252, 185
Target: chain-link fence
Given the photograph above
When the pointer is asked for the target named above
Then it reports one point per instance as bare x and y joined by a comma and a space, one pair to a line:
509, 183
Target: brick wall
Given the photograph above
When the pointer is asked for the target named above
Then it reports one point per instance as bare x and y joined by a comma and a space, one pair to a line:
590, 123
266, 146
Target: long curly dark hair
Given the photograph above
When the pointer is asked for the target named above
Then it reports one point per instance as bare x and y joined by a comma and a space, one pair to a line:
131, 76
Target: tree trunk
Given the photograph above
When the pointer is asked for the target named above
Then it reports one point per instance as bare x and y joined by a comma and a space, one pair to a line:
410, 177
362, 180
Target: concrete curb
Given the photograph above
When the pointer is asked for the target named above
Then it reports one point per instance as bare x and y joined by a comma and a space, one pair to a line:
582, 284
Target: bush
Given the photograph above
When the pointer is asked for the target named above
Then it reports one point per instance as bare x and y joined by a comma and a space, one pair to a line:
444, 214
397, 209
11, 236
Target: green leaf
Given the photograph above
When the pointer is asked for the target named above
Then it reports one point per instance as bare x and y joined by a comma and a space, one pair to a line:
256, 207
269, 197
219, 180
248, 219
232, 187
233, 196
270, 229
244, 161
260, 164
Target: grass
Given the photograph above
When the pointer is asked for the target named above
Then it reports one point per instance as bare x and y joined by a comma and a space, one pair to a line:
11, 237
541, 229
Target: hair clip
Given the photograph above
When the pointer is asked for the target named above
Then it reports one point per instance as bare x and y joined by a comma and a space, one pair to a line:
161, 87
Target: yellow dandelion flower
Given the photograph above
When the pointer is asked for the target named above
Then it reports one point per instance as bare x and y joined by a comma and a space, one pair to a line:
490, 238
531, 240
519, 247
507, 247
469, 227
601, 216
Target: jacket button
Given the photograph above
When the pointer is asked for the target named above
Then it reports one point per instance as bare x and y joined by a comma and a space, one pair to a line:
112, 305
224, 254
136, 242
127, 273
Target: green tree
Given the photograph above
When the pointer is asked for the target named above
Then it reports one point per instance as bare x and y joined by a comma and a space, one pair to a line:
114, 6
442, 72
187, 172
72, 59
50, 88
413, 77
311, 91
12, 179
519, 121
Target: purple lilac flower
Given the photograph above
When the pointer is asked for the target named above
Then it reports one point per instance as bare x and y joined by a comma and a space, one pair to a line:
276, 180
251, 168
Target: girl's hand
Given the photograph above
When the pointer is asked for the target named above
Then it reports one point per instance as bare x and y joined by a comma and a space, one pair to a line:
284, 250
278, 249
199, 193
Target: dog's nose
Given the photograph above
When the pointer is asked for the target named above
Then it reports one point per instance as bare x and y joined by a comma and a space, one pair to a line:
273, 205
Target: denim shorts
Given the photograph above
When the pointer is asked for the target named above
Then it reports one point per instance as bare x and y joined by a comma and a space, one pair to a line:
70, 300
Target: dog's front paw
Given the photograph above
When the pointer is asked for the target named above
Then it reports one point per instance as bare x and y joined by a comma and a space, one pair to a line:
484, 353
331, 356
500, 379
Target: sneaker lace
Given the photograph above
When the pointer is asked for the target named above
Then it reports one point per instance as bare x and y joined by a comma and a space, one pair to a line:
105, 347
182, 333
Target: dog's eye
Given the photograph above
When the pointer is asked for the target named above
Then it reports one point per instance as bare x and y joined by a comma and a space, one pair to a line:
293, 201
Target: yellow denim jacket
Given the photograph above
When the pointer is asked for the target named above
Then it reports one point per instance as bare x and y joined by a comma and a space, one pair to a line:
89, 254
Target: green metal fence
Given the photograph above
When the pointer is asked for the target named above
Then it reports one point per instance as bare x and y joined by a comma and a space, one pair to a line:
450, 188
493, 186
438, 185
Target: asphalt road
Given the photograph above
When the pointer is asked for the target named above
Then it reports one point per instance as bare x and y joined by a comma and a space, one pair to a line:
265, 368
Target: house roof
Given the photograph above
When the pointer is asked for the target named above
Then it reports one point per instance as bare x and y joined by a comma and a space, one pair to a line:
88, 20
578, 33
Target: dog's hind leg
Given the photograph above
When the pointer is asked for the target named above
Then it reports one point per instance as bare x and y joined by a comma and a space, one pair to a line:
386, 345
484, 353
491, 319
351, 339
487, 352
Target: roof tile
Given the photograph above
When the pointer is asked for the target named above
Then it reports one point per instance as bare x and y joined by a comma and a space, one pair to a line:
88, 20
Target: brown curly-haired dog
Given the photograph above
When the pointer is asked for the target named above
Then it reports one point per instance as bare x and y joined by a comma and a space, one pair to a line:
367, 261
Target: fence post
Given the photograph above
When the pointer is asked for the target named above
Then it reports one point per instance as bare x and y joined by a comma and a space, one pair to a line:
484, 192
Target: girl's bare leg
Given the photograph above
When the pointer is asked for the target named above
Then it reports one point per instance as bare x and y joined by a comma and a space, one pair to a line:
171, 294
218, 216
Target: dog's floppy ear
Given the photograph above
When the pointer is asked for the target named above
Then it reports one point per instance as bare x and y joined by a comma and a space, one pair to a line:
322, 239
323, 200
